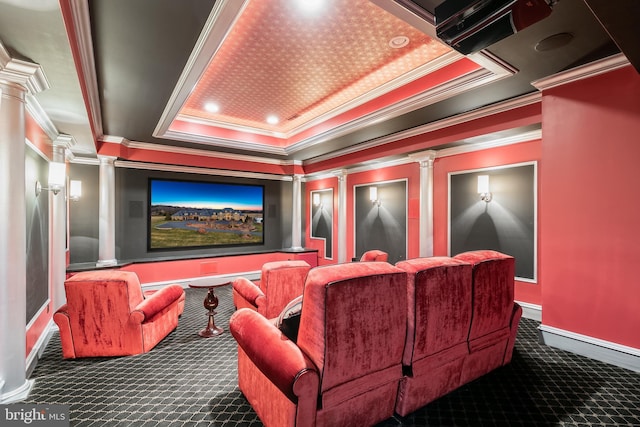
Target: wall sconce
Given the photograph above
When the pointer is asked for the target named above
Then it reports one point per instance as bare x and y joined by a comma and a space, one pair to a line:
56, 179
483, 188
373, 196
75, 190
316, 199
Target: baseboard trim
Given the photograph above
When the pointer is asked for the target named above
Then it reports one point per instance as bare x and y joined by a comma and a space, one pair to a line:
201, 280
593, 348
18, 394
531, 311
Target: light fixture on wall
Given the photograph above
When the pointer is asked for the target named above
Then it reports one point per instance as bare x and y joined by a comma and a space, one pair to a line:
316, 200
483, 188
75, 190
56, 179
373, 196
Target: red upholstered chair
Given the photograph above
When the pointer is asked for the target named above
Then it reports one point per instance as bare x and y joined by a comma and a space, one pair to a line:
439, 315
345, 368
374, 255
495, 314
107, 314
280, 282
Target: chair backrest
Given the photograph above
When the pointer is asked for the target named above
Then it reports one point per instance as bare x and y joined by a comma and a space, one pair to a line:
439, 305
353, 321
374, 255
493, 283
282, 281
99, 304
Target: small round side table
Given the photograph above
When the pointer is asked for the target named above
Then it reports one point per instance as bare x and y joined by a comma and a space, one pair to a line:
211, 303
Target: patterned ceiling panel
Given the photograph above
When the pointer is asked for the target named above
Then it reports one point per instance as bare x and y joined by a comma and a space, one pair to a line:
280, 60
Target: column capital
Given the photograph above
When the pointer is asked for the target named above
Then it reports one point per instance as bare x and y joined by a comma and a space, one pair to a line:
340, 173
26, 74
64, 141
425, 158
106, 160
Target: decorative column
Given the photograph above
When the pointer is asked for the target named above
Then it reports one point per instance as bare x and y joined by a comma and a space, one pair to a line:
342, 215
425, 159
18, 79
59, 229
107, 217
296, 221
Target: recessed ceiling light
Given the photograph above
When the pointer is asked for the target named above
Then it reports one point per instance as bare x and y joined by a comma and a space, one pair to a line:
212, 107
272, 120
398, 42
310, 6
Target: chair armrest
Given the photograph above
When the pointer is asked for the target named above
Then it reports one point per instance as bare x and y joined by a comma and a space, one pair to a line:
277, 357
157, 302
61, 317
249, 291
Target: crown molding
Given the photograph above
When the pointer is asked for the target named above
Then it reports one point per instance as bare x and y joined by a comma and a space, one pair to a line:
511, 104
201, 171
26, 74
470, 146
583, 72
38, 114
222, 17
82, 26
195, 151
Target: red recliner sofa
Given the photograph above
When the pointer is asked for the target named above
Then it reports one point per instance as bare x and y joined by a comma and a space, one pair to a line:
462, 324
439, 294
280, 282
346, 365
374, 255
107, 314
495, 316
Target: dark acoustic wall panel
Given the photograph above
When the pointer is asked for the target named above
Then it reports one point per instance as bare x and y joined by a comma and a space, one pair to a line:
506, 224
382, 226
37, 234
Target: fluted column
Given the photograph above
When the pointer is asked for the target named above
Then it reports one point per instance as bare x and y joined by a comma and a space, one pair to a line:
296, 213
107, 216
342, 215
17, 79
425, 159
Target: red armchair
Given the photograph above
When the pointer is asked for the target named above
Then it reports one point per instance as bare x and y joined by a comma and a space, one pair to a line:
495, 314
374, 255
439, 316
107, 314
345, 368
280, 282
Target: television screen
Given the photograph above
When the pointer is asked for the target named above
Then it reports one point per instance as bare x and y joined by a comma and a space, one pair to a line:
191, 214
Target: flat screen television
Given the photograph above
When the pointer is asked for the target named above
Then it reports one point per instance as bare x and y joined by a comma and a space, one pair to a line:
197, 214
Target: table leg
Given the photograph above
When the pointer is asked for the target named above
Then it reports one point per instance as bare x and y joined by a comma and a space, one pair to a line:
210, 303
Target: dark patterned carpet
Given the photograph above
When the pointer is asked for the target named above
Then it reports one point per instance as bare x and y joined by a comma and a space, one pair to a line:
191, 381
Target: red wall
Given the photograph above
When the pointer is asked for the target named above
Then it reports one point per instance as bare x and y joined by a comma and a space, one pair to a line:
591, 206
510, 154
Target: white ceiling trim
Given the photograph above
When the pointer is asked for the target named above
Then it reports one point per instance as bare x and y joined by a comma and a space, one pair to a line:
82, 25
224, 143
463, 84
468, 147
221, 19
471, 146
196, 152
497, 108
441, 62
201, 171
584, 72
